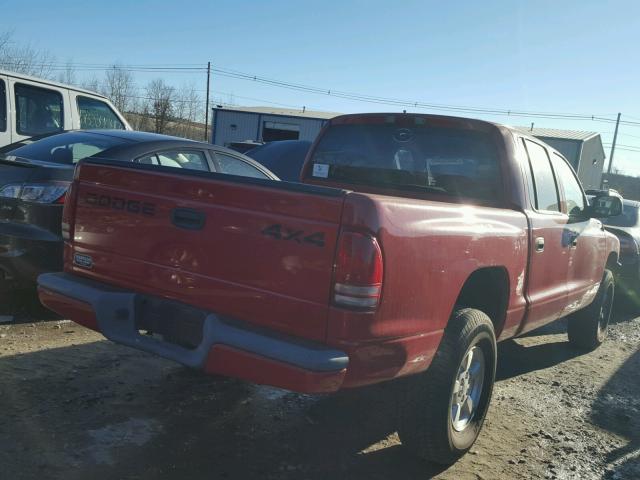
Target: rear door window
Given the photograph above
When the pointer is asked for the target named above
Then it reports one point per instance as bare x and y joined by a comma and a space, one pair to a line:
3, 107
189, 159
410, 155
235, 166
38, 110
97, 114
544, 183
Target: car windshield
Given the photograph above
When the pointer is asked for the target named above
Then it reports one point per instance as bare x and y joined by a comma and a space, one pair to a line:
65, 148
628, 218
452, 161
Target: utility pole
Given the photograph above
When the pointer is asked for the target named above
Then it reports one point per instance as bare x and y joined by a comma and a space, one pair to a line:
613, 145
206, 110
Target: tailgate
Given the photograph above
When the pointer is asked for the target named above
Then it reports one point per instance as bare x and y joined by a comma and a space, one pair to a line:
254, 250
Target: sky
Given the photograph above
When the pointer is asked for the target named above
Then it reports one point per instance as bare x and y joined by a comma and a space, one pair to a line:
544, 56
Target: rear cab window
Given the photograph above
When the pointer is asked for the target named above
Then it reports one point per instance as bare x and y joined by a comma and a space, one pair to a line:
412, 154
96, 114
38, 110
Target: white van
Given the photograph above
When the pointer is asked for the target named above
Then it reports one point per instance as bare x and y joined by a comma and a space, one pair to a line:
32, 106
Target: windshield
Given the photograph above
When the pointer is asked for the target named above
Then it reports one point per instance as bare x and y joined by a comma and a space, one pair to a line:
451, 161
65, 148
628, 218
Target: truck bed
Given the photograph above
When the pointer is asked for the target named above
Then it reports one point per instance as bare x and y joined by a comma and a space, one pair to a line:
256, 250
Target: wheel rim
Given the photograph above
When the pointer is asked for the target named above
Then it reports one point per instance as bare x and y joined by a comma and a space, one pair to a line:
605, 313
467, 389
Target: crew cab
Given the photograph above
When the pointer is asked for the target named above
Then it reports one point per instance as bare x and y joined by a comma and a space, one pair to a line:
412, 245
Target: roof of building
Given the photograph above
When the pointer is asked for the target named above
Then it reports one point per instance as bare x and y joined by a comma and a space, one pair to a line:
281, 111
577, 135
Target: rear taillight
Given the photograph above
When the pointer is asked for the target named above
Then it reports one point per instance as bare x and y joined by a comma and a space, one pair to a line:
49, 192
68, 212
358, 272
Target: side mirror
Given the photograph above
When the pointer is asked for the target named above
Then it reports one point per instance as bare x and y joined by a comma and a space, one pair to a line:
606, 205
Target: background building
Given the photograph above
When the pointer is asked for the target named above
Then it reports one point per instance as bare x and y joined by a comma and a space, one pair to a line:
265, 124
584, 151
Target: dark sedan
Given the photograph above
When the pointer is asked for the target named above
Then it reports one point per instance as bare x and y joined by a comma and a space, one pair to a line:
35, 175
627, 228
285, 158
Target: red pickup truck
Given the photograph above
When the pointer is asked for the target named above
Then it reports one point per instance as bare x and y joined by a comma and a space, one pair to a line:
412, 243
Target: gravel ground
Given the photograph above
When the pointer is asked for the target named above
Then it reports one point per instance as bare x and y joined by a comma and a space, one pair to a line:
76, 406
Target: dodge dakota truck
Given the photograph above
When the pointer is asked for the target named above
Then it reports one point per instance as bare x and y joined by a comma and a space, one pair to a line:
411, 245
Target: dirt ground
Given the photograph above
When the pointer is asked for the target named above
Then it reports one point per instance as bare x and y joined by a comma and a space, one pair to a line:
75, 406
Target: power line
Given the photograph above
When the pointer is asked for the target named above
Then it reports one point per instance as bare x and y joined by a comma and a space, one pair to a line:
198, 68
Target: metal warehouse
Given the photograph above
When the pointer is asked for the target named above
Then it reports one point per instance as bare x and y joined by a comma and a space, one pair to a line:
265, 124
584, 151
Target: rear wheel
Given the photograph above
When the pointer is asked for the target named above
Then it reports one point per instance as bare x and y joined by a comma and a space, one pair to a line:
587, 328
441, 411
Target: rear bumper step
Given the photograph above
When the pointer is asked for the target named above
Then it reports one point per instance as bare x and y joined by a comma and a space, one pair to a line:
227, 347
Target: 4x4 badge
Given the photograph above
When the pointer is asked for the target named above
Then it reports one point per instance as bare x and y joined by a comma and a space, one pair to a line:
280, 232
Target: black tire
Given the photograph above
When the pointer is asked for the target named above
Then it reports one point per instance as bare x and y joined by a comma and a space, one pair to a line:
587, 328
426, 401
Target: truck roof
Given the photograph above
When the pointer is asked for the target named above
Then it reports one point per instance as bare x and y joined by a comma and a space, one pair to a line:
44, 81
345, 117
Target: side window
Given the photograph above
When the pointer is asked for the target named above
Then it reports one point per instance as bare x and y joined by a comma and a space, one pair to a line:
190, 159
572, 191
148, 160
546, 192
38, 110
3, 107
235, 166
97, 114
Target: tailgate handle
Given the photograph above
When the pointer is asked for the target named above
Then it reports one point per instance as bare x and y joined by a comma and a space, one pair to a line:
187, 218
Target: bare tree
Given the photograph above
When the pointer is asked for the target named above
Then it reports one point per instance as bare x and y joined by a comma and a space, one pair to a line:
188, 113
119, 86
91, 83
68, 75
25, 58
160, 96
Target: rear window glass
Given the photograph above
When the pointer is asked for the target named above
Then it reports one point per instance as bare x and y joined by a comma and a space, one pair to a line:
67, 148
97, 114
3, 107
457, 162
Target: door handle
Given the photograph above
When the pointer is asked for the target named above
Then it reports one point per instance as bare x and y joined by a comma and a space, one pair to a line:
539, 244
187, 218
573, 239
